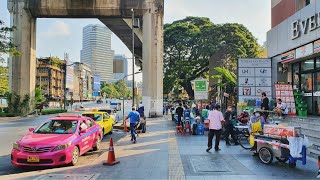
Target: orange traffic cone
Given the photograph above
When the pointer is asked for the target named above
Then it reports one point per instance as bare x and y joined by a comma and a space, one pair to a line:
318, 167
111, 156
125, 129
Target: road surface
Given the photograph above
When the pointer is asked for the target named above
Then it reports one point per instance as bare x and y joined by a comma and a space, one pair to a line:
13, 130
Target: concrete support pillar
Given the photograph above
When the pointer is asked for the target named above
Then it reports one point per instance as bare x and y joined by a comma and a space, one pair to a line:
152, 64
23, 68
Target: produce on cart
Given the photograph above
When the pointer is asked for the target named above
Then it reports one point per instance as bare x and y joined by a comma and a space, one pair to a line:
283, 143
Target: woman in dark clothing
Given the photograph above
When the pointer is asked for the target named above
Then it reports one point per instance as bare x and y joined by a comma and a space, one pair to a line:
265, 104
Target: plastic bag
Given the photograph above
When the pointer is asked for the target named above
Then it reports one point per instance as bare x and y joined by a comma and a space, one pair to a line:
306, 142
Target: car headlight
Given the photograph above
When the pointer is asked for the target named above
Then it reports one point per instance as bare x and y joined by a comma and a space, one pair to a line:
63, 146
16, 146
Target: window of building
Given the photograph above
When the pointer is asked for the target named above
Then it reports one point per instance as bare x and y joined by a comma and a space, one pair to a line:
307, 2
296, 75
318, 63
307, 65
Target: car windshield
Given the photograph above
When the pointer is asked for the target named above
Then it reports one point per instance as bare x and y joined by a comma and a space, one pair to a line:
95, 117
58, 127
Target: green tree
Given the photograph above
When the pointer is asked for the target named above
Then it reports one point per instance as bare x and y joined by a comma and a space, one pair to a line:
110, 91
6, 45
4, 80
39, 96
122, 89
190, 43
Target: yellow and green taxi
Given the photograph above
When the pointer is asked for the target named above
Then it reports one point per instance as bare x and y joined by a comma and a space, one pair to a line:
103, 119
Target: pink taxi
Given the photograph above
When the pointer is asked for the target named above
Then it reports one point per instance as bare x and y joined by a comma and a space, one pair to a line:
60, 140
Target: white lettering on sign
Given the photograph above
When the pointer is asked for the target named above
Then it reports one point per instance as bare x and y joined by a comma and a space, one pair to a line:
305, 26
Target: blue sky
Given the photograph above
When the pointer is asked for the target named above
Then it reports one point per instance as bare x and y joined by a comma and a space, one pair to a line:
59, 36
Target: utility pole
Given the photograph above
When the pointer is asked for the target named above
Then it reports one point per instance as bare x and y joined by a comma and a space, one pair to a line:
132, 57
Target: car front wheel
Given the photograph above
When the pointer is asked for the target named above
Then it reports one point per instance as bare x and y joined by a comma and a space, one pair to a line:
75, 156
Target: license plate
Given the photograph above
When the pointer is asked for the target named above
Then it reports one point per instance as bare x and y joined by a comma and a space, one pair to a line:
33, 159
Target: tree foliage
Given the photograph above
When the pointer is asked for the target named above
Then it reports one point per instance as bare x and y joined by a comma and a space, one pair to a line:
39, 96
116, 90
6, 45
4, 80
191, 42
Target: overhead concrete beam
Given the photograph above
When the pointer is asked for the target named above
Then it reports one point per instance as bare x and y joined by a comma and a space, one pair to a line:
86, 8
122, 28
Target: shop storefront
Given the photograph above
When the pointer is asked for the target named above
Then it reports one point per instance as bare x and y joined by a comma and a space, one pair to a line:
294, 49
306, 77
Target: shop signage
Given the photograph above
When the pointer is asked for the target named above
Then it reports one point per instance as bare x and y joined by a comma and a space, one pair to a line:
247, 81
263, 72
252, 63
300, 27
200, 89
246, 72
267, 90
200, 86
254, 77
316, 46
288, 56
247, 91
304, 51
263, 82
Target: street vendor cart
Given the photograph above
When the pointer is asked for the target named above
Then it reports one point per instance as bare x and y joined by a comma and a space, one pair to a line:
281, 142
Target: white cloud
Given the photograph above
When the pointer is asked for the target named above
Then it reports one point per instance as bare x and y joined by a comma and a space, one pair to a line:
57, 29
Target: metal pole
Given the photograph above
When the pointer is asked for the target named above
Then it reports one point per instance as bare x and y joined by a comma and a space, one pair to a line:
132, 57
65, 86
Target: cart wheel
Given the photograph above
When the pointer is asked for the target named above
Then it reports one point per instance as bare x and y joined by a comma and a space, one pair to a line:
282, 160
265, 155
292, 165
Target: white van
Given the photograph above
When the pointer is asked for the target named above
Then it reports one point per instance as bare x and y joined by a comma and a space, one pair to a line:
115, 105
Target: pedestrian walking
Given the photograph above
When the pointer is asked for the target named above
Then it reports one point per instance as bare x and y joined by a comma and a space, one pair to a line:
229, 127
134, 119
179, 112
215, 125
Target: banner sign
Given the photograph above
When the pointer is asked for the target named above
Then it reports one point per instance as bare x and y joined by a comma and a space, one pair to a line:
254, 77
285, 93
200, 89
304, 51
96, 82
316, 46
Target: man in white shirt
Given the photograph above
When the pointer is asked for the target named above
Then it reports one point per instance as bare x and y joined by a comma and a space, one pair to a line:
215, 125
281, 108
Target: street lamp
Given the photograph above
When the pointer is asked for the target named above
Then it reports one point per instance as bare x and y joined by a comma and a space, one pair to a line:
123, 93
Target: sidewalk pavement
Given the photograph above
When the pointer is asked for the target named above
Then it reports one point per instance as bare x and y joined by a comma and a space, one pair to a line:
160, 154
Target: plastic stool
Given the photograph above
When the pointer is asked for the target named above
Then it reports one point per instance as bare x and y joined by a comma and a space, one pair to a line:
179, 129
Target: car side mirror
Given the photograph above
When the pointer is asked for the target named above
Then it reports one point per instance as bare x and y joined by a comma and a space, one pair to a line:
83, 131
31, 129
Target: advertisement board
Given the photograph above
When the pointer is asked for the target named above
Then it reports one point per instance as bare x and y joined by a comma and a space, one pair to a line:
96, 82
200, 89
254, 77
285, 93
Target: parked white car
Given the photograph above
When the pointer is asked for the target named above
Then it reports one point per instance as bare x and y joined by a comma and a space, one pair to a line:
113, 113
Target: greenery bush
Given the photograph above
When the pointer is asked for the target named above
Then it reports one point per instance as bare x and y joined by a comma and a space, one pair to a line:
53, 111
7, 114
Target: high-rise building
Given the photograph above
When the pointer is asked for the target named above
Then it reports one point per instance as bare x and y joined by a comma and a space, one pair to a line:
120, 67
96, 50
